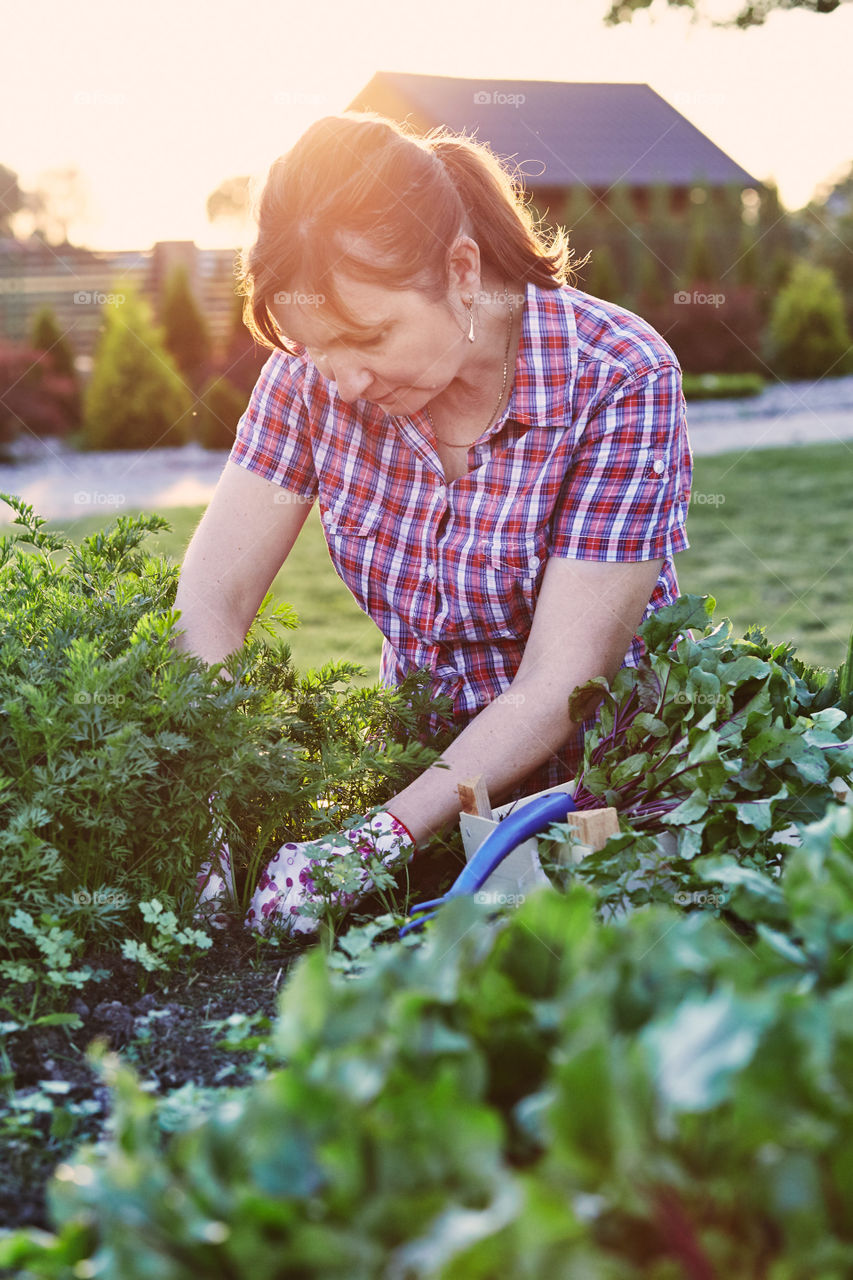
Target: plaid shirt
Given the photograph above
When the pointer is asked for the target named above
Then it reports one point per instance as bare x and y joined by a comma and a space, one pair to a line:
590, 461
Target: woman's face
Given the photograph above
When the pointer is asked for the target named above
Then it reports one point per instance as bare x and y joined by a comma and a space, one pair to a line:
414, 348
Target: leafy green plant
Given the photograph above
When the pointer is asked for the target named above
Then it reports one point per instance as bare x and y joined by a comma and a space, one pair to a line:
167, 941
723, 742
537, 1095
113, 741
43, 980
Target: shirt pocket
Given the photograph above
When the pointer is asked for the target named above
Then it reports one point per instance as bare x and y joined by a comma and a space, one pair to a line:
509, 577
351, 532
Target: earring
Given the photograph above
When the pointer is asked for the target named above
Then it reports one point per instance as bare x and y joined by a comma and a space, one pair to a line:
470, 306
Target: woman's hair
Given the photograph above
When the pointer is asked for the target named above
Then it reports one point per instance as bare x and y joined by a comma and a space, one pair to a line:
364, 195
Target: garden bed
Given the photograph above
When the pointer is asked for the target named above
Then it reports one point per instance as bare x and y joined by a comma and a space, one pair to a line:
527, 1091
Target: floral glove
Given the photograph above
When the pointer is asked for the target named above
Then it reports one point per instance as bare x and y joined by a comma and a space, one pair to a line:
288, 880
214, 882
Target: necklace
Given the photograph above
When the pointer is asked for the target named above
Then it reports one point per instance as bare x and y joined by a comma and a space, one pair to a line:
493, 414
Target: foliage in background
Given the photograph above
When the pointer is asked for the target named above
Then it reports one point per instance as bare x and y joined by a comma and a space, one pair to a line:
136, 398
540, 1095
39, 393
53, 379
243, 358
720, 386
216, 416
47, 336
112, 741
753, 13
808, 335
185, 333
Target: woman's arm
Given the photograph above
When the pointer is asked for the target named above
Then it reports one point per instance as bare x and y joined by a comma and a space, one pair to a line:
244, 538
586, 616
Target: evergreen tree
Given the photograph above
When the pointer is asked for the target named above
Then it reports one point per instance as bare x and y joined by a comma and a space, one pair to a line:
665, 235
808, 335
579, 219
699, 266
652, 290
215, 420
136, 398
47, 336
54, 379
748, 262
186, 334
602, 278
243, 358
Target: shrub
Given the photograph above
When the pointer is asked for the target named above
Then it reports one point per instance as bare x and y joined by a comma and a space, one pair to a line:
112, 740
34, 397
602, 280
136, 398
222, 405
54, 378
48, 337
721, 386
185, 333
808, 335
711, 328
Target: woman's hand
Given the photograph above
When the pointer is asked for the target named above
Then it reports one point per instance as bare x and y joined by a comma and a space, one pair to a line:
290, 878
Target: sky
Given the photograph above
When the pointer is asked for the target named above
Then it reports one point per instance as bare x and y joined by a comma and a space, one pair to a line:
156, 104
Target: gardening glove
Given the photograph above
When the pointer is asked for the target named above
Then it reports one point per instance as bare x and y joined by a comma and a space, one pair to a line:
288, 880
215, 879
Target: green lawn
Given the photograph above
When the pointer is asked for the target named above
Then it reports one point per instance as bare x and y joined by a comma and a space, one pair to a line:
770, 538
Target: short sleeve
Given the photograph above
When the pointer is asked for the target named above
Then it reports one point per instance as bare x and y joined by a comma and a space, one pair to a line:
627, 490
273, 436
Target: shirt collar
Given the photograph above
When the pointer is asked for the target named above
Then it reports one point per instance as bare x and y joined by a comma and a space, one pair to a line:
547, 359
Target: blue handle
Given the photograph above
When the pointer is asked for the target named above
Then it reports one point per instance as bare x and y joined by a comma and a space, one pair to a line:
527, 821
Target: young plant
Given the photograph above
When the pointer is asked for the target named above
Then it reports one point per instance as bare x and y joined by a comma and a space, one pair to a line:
715, 739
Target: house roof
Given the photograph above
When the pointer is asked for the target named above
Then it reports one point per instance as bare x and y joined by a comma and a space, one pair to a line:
590, 134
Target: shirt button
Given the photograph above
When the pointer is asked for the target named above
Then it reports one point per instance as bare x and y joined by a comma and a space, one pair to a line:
658, 467
430, 571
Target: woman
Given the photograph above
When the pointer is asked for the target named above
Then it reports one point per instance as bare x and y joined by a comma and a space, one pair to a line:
501, 461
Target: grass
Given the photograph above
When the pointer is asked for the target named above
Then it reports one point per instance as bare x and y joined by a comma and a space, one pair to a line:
770, 539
